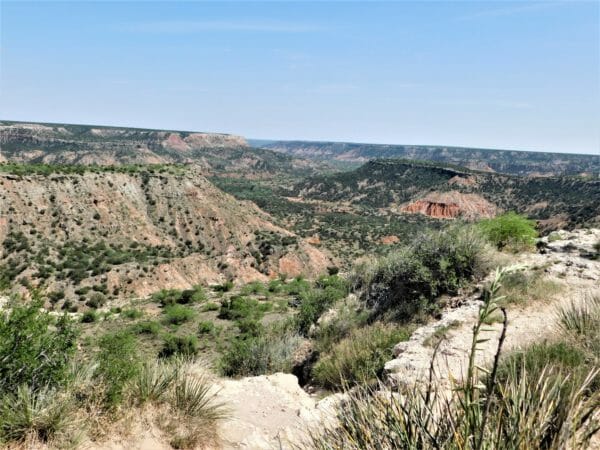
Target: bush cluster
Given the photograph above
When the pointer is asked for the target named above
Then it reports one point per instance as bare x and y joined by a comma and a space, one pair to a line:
407, 282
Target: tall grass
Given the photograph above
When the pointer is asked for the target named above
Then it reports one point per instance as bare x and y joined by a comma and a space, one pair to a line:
360, 357
517, 410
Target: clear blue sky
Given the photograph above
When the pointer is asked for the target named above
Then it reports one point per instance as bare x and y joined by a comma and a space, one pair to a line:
522, 75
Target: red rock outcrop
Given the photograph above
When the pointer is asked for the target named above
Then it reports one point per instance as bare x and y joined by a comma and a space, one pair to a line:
450, 205
436, 210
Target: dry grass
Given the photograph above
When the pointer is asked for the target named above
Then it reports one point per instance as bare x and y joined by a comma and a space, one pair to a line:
523, 288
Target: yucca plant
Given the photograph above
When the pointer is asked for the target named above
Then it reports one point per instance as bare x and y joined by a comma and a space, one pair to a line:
581, 318
153, 382
37, 414
193, 396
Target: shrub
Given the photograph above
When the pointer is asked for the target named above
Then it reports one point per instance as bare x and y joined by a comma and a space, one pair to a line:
168, 297
179, 345
270, 352
206, 327
225, 287
35, 349
240, 307
193, 397
211, 307
178, 314
525, 287
315, 302
132, 313
89, 317
407, 282
510, 230
97, 300
256, 287
146, 327
118, 362
360, 357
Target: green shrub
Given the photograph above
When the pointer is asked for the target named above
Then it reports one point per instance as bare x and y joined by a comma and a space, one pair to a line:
206, 327
132, 313
256, 287
511, 231
89, 317
179, 345
269, 352
360, 357
211, 307
523, 287
315, 302
408, 281
250, 327
178, 314
225, 287
146, 327
118, 362
194, 397
240, 307
96, 300
35, 348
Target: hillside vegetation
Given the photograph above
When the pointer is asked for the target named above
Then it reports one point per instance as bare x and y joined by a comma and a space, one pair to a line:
394, 185
87, 234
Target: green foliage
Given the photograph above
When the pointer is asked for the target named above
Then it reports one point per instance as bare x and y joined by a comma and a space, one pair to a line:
206, 327
27, 413
179, 345
268, 352
408, 281
510, 231
360, 357
521, 287
35, 348
256, 288
524, 407
132, 313
315, 302
118, 362
152, 382
240, 307
225, 287
167, 297
178, 314
146, 327
89, 317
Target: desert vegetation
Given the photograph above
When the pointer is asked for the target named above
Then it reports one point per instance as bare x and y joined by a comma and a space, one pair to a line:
50, 394
540, 397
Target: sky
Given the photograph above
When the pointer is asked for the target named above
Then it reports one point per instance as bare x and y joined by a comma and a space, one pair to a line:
512, 75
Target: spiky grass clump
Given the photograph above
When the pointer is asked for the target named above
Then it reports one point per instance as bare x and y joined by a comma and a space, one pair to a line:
39, 415
153, 382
